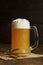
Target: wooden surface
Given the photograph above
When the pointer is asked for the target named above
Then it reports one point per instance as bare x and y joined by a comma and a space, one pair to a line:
38, 61
27, 61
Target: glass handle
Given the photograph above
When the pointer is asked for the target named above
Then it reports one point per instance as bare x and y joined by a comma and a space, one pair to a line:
36, 38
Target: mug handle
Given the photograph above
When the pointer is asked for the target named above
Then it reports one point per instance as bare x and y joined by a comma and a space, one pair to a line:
36, 38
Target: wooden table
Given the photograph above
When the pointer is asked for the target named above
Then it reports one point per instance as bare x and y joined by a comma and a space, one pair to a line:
27, 61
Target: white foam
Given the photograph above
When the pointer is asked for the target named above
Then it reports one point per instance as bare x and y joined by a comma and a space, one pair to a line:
21, 23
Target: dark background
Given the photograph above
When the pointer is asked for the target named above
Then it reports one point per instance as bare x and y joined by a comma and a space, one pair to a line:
12, 9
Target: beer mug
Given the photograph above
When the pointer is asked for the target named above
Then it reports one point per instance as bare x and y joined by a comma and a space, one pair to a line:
20, 37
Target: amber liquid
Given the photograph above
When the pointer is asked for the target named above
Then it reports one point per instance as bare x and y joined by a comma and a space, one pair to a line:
20, 40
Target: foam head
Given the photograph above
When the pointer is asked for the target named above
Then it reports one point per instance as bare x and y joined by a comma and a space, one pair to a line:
21, 23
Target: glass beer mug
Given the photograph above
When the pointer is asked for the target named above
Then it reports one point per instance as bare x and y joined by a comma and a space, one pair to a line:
20, 37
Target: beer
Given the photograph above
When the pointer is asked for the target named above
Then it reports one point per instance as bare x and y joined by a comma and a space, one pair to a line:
20, 36
21, 39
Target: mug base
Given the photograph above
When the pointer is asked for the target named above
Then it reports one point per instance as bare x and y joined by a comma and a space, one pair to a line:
15, 55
